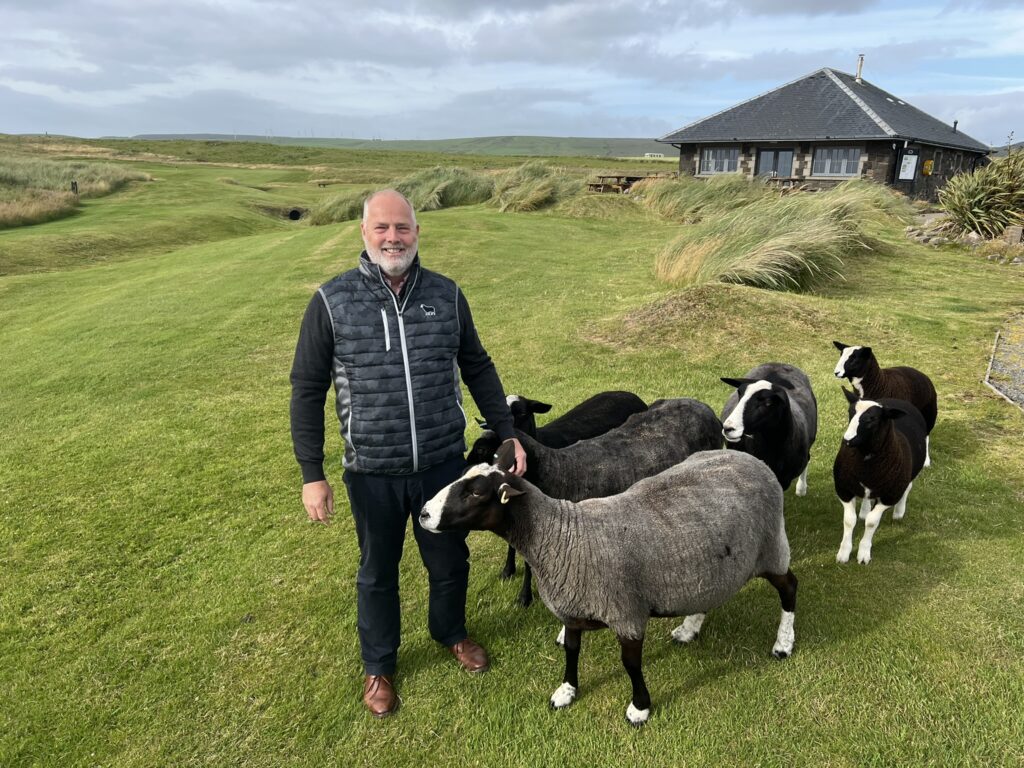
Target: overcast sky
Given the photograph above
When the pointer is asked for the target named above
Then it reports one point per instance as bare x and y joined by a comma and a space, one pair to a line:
426, 69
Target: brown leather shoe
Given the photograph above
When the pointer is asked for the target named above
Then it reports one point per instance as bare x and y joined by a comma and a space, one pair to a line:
379, 695
471, 656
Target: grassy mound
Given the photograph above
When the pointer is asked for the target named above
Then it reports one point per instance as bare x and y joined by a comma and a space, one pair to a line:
784, 243
34, 190
988, 200
445, 187
532, 186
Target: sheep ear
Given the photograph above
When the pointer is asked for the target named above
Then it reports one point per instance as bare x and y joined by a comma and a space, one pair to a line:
891, 412
839, 345
505, 458
507, 492
733, 382
851, 397
536, 406
784, 384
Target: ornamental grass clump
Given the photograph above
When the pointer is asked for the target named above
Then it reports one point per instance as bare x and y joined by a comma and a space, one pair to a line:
344, 207
988, 200
445, 187
532, 186
689, 200
788, 243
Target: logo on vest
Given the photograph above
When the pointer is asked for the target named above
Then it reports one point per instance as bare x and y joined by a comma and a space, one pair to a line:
428, 311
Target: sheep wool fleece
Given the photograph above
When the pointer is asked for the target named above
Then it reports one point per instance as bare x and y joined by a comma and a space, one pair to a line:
395, 372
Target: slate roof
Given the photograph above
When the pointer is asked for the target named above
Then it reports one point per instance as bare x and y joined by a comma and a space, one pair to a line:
826, 104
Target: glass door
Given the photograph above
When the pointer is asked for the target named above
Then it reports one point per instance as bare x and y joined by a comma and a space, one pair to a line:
775, 162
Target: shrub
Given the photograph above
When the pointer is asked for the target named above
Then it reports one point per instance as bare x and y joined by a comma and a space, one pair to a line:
987, 200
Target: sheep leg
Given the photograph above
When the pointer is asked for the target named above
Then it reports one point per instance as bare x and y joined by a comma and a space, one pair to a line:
870, 524
688, 630
786, 585
927, 451
901, 505
849, 523
560, 640
526, 591
510, 565
566, 692
865, 506
639, 708
801, 483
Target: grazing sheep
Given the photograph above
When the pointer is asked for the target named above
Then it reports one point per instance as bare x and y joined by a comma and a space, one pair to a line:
773, 415
679, 543
882, 452
858, 364
594, 416
646, 443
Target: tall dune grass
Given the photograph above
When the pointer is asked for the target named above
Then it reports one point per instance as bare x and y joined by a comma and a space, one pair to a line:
786, 243
688, 200
532, 186
445, 187
34, 190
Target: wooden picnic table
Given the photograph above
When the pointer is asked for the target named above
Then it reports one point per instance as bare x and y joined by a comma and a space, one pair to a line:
621, 182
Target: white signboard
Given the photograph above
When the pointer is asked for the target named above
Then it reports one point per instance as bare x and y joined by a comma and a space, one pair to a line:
908, 166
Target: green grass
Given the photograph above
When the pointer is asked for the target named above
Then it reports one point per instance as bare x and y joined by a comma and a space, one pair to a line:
163, 600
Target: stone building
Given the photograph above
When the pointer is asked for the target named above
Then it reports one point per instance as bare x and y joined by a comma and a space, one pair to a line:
823, 129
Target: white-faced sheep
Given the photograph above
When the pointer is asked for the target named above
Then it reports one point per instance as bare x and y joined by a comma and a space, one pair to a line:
591, 418
679, 543
871, 381
773, 415
883, 450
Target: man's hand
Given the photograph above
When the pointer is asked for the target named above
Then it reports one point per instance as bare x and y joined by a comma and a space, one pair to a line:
519, 468
318, 499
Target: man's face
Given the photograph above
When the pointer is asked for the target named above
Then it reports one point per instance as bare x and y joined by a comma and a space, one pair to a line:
390, 234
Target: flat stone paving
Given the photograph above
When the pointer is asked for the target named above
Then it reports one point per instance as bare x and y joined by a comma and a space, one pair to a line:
1007, 374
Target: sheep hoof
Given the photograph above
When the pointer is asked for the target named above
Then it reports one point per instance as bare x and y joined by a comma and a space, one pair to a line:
526, 600
507, 573
683, 635
564, 696
843, 555
780, 653
637, 717
864, 557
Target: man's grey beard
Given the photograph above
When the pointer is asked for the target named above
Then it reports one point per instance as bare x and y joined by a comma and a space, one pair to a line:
387, 264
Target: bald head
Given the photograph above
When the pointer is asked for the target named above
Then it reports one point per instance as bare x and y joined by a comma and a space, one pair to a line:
390, 232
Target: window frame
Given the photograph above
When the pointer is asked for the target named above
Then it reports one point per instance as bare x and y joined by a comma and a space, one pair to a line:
713, 149
836, 148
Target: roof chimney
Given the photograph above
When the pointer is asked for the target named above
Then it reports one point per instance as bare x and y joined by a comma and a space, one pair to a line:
860, 66
954, 125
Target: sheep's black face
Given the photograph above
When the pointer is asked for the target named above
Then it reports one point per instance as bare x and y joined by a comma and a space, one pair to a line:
853, 361
523, 410
760, 405
483, 449
473, 502
869, 423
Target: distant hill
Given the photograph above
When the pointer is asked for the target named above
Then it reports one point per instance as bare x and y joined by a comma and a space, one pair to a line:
532, 146
1001, 151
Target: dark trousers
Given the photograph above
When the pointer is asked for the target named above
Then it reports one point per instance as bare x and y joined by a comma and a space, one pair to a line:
381, 506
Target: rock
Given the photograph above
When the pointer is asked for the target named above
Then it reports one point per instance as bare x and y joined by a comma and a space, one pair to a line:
973, 237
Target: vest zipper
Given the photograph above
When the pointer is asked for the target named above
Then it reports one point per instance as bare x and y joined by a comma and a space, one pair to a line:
405, 362
387, 332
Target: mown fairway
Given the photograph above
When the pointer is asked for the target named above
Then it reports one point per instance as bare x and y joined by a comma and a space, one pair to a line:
163, 600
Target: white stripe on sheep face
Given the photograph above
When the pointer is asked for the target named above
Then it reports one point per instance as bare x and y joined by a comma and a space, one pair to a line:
844, 358
859, 409
733, 427
430, 517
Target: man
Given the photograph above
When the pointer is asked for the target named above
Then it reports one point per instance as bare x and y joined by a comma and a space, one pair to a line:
389, 334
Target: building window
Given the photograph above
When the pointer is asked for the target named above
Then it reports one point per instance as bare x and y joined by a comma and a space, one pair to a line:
835, 161
719, 160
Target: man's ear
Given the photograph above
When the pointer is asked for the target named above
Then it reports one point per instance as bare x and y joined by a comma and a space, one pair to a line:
506, 492
506, 456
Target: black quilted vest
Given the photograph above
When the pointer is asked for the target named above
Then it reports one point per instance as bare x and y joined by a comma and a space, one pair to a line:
395, 373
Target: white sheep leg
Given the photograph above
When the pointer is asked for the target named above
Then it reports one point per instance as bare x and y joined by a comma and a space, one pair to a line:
870, 525
801, 483
901, 505
865, 506
927, 451
849, 523
563, 696
688, 630
560, 640
785, 637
